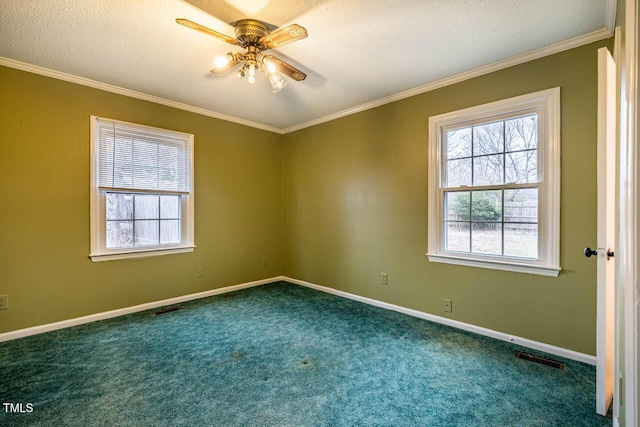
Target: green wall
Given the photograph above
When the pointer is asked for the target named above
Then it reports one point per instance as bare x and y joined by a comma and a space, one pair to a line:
355, 205
351, 193
44, 204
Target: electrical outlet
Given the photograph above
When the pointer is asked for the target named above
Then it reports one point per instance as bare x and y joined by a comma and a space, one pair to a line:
4, 302
200, 272
265, 262
447, 305
384, 279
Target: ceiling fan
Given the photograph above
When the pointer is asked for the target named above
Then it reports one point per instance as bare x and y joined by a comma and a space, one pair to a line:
254, 36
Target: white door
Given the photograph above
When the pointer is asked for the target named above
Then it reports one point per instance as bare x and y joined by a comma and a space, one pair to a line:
606, 230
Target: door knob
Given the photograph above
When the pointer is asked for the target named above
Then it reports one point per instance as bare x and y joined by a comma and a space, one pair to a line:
588, 252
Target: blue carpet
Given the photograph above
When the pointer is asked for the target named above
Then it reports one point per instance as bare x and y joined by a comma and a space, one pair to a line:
284, 355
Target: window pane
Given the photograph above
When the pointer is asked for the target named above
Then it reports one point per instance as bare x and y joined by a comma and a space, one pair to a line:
147, 206
170, 207
488, 170
521, 240
521, 133
119, 234
456, 236
457, 205
458, 143
486, 238
146, 233
488, 139
486, 205
119, 206
458, 172
522, 167
169, 231
521, 205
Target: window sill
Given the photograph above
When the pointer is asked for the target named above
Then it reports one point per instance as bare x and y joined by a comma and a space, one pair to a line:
495, 264
140, 253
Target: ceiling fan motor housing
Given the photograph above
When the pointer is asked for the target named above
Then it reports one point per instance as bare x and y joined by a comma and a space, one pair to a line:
249, 32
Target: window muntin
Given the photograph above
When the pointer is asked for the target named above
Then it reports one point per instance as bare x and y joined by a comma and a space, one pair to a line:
500, 222
137, 220
494, 153
142, 192
494, 185
499, 156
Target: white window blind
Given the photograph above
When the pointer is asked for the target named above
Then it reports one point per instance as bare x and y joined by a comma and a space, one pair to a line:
142, 159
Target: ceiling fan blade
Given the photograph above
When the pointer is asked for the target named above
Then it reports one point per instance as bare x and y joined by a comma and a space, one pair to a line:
282, 36
286, 69
209, 31
225, 68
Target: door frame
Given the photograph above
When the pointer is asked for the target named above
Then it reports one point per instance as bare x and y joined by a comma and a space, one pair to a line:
627, 392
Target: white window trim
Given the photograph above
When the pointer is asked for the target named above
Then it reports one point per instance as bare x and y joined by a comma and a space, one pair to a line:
548, 263
99, 252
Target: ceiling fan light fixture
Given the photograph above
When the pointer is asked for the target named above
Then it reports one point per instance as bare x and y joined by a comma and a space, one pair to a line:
271, 67
252, 73
220, 61
277, 82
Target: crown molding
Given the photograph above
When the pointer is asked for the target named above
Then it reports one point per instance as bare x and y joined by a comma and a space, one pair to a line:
11, 63
601, 34
476, 72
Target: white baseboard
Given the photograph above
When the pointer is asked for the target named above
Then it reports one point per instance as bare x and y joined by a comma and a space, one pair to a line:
20, 333
536, 345
558, 351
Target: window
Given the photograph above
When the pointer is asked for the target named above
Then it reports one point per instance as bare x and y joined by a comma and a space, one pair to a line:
494, 185
141, 190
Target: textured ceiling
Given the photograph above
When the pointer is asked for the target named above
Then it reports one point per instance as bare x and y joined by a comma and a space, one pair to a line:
358, 51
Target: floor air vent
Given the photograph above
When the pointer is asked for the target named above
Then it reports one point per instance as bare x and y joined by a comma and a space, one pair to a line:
538, 359
166, 310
